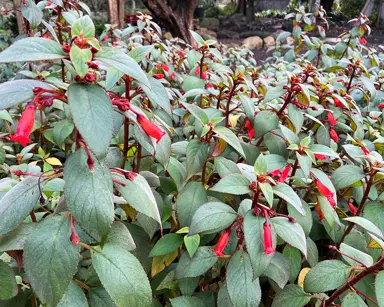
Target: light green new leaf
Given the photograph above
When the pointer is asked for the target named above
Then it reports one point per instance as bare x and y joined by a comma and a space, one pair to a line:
366, 224
83, 27
166, 244
80, 58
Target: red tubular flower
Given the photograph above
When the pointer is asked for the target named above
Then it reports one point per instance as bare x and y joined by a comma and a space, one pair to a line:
284, 173
320, 157
150, 128
25, 126
365, 150
222, 243
268, 245
352, 208
172, 75
327, 193
251, 130
275, 172
321, 214
165, 67
332, 119
209, 85
158, 76
90, 77
363, 41
75, 239
381, 106
333, 135
338, 103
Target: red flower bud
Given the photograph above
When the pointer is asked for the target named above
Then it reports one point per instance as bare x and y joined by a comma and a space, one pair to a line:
365, 150
268, 244
75, 238
320, 157
338, 103
150, 128
66, 48
158, 76
165, 67
251, 130
105, 38
363, 41
333, 135
172, 75
321, 214
222, 243
90, 77
284, 174
327, 193
18, 172
209, 85
352, 208
25, 126
275, 172
381, 106
93, 65
331, 119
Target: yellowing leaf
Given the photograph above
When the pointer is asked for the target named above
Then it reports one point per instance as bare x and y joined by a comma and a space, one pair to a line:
233, 120
53, 161
33, 163
159, 263
129, 211
302, 275
373, 244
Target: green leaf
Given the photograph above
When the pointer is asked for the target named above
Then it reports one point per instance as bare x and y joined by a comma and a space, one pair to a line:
200, 263
139, 195
99, 297
374, 211
211, 216
192, 243
329, 212
32, 49
83, 27
15, 239
267, 190
192, 82
254, 238
346, 175
191, 197
18, 91
231, 138
48, 268
291, 296
18, 203
235, 184
357, 254
294, 257
140, 52
379, 288
32, 13
279, 270
89, 195
113, 75
353, 300
8, 287
80, 58
187, 301
123, 62
120, 236
166, 244
197, 112
366, 224
327, 275
122, 276
273, 93
158, 95
265, 121
225, 167
92, 114
61, 130
73, 297
306, 220
261, 165
196, 156
242, 288
323, 150
285, 192
223, 299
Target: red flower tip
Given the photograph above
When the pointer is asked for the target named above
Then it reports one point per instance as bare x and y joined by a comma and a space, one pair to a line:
158, 76
222, 243
268, 245
105, 38
150, 128
352, 208
321, 214
130, 175
93, 65
172, 75
209, 85
365, 150
331, 119
333, 135
75, 238
276, 172
320, 157
381, 106
25, 126
327, 193
251, 130
284, 173
363, 41
165, 67
338, 102
90, 77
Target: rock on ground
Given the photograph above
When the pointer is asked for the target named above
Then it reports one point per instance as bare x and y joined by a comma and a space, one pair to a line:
253, 42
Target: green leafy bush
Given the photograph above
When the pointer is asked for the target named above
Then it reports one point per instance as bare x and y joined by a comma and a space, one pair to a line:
138, 172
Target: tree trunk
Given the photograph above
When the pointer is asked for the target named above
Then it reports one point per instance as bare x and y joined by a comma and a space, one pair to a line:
176, 15
250, 10
116, 12
19, 17
368, 8
241, 6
